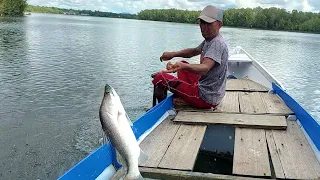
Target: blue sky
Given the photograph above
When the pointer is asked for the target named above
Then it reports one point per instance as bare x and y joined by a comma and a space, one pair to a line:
134, 6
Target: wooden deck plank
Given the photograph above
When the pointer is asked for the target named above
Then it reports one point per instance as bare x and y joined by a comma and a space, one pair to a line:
277, 166
296, 156
158, 141
245, 85
241, 120
256, 87
250, 153
170, 174
184, 148
237, 85
230, 103
274, 104
251, 103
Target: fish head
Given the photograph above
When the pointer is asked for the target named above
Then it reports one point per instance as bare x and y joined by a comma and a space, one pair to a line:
111, 101
108, 89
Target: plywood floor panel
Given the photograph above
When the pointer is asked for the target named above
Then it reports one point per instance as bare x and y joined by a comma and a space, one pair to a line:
296, 156
251, 103
240, 120
158, 141
250, 153
184, 148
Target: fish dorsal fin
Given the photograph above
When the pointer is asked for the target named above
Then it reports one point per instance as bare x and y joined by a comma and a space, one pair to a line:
143, 157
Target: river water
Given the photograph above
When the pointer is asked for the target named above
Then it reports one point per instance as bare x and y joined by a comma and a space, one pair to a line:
53, 69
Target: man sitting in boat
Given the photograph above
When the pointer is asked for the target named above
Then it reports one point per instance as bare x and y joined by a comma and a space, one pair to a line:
200, 85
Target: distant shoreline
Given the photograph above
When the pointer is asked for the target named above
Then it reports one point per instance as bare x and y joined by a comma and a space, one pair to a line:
304, 32
273, 19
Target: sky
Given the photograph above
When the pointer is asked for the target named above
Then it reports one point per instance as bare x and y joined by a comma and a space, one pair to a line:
135, 6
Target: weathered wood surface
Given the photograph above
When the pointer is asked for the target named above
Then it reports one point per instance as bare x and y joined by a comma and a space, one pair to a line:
237, 85
169, 174
230, 103
296, 156
256, 87
251, 103
250, 153
247, 103
184, 148
274, 105
158, 141
277, 166
245, 85
241, 120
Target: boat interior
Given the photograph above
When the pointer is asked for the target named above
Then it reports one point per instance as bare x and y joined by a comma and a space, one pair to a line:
252, 134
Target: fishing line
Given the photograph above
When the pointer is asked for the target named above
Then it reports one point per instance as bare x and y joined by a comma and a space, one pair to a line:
168, 86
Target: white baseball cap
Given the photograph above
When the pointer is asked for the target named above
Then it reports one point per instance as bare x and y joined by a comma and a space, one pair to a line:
211, 14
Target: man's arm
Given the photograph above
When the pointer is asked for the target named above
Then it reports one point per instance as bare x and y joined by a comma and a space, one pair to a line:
201, 69
186, 53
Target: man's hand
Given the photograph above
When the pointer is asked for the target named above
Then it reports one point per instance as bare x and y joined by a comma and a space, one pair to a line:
172, 68
166, 56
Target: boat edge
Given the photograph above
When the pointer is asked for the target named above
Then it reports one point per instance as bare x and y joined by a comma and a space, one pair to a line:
309, 124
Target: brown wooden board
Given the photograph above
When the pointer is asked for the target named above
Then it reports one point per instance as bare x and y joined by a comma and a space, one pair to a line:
245, 85
170, 174
277, 166
251, 103
158, 141
254, 86
230, 103
237, 85
274, 105
184, 148
241, 120
250, 153
296, 156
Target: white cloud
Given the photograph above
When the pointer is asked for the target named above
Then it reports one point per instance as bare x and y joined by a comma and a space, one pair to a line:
306, 6
134, 6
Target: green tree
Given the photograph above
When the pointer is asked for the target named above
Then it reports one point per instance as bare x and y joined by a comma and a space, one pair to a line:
12, 7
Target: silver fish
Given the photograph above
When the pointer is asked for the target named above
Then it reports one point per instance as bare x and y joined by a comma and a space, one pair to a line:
116, 126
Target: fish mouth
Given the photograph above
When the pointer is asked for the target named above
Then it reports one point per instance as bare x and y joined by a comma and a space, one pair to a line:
108, 89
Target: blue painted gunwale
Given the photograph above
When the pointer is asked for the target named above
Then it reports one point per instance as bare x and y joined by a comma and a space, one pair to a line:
311, 125
93, 165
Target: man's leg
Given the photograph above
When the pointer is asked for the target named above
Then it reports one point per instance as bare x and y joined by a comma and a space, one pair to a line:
188, 76
160, 82
188, 92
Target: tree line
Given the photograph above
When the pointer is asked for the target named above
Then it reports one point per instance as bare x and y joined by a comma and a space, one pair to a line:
273, 19
54, 10
259, 18
12, 7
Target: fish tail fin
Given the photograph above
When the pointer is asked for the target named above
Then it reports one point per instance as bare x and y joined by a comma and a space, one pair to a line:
143, 157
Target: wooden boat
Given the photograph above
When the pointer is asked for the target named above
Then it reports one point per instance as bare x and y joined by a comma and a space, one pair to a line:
257, 131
